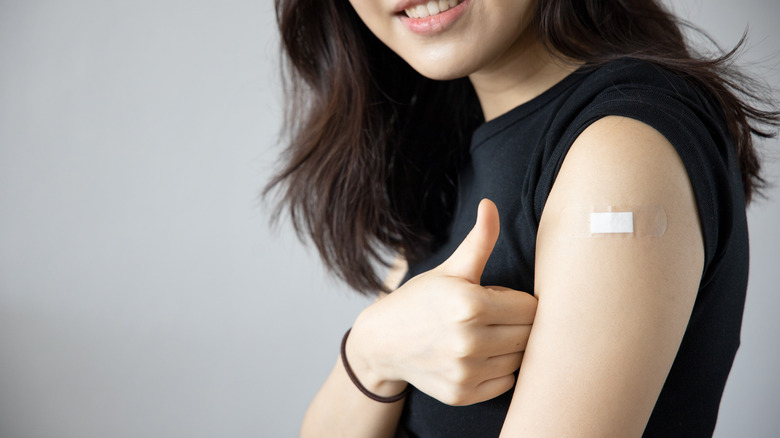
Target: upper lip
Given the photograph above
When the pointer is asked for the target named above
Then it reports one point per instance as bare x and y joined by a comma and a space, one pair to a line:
406, 4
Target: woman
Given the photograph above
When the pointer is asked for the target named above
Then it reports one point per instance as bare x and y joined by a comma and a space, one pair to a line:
619, 164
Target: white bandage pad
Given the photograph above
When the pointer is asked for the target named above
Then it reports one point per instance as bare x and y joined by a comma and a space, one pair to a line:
616, 221
610, 222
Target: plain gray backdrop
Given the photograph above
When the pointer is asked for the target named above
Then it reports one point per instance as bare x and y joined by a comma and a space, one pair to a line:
142, 292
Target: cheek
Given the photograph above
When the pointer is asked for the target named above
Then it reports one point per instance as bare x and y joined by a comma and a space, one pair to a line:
372, 16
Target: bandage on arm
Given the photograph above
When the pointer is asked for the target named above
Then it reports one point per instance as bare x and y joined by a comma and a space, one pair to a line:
615, 294
635, 220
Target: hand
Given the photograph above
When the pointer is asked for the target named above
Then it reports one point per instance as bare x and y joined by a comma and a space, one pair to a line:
451, 338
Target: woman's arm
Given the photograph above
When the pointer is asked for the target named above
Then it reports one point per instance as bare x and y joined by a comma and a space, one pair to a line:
340, 410
612, 308
453, 339
365, 417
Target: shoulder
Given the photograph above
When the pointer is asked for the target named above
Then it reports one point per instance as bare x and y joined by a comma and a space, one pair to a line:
643, 90
646, 92
622, 163
651, 101
617, 153
632, 73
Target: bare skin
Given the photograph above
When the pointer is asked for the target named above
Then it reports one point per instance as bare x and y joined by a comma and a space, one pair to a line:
611, 313
441, 331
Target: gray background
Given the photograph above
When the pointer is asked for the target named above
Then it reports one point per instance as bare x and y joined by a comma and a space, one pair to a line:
142, 293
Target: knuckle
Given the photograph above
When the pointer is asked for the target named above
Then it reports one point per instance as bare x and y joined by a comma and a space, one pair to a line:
466, 308
464, 347
461, 376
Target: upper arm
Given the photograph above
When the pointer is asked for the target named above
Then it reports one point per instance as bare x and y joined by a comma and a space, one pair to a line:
612, 309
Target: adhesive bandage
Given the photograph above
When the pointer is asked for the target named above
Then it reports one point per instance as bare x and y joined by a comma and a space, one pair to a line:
614, 221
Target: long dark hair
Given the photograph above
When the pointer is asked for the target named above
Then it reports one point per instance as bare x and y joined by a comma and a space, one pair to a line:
363, 174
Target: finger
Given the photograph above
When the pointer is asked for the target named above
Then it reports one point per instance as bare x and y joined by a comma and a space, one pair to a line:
492, 388
503, 339
508, 306
469, 259
502, 365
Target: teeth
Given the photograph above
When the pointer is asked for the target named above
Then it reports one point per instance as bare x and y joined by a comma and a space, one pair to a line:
433, 7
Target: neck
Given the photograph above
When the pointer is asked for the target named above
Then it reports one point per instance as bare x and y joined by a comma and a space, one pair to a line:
524, 72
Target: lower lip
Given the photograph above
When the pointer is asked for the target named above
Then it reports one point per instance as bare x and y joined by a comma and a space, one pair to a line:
435, 23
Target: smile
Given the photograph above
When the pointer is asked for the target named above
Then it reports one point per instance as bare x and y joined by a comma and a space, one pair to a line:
431, 8
431, 18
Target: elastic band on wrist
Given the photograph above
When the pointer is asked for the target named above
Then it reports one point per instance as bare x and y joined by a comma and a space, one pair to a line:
359, 385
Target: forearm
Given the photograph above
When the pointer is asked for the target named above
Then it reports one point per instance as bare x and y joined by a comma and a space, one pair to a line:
455, 340
340, 410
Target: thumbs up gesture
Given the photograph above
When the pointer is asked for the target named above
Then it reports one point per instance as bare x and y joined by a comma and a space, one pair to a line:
469, 259
443, 332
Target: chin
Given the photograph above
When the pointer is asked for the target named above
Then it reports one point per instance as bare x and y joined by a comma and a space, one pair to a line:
442, 77
441, 71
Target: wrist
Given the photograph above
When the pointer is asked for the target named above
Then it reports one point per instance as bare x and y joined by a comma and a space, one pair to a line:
367, 366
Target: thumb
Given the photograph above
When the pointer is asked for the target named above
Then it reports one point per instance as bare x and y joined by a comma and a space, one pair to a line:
469, 259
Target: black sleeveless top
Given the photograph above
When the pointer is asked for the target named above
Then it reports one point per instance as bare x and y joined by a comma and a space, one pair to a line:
514, 160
